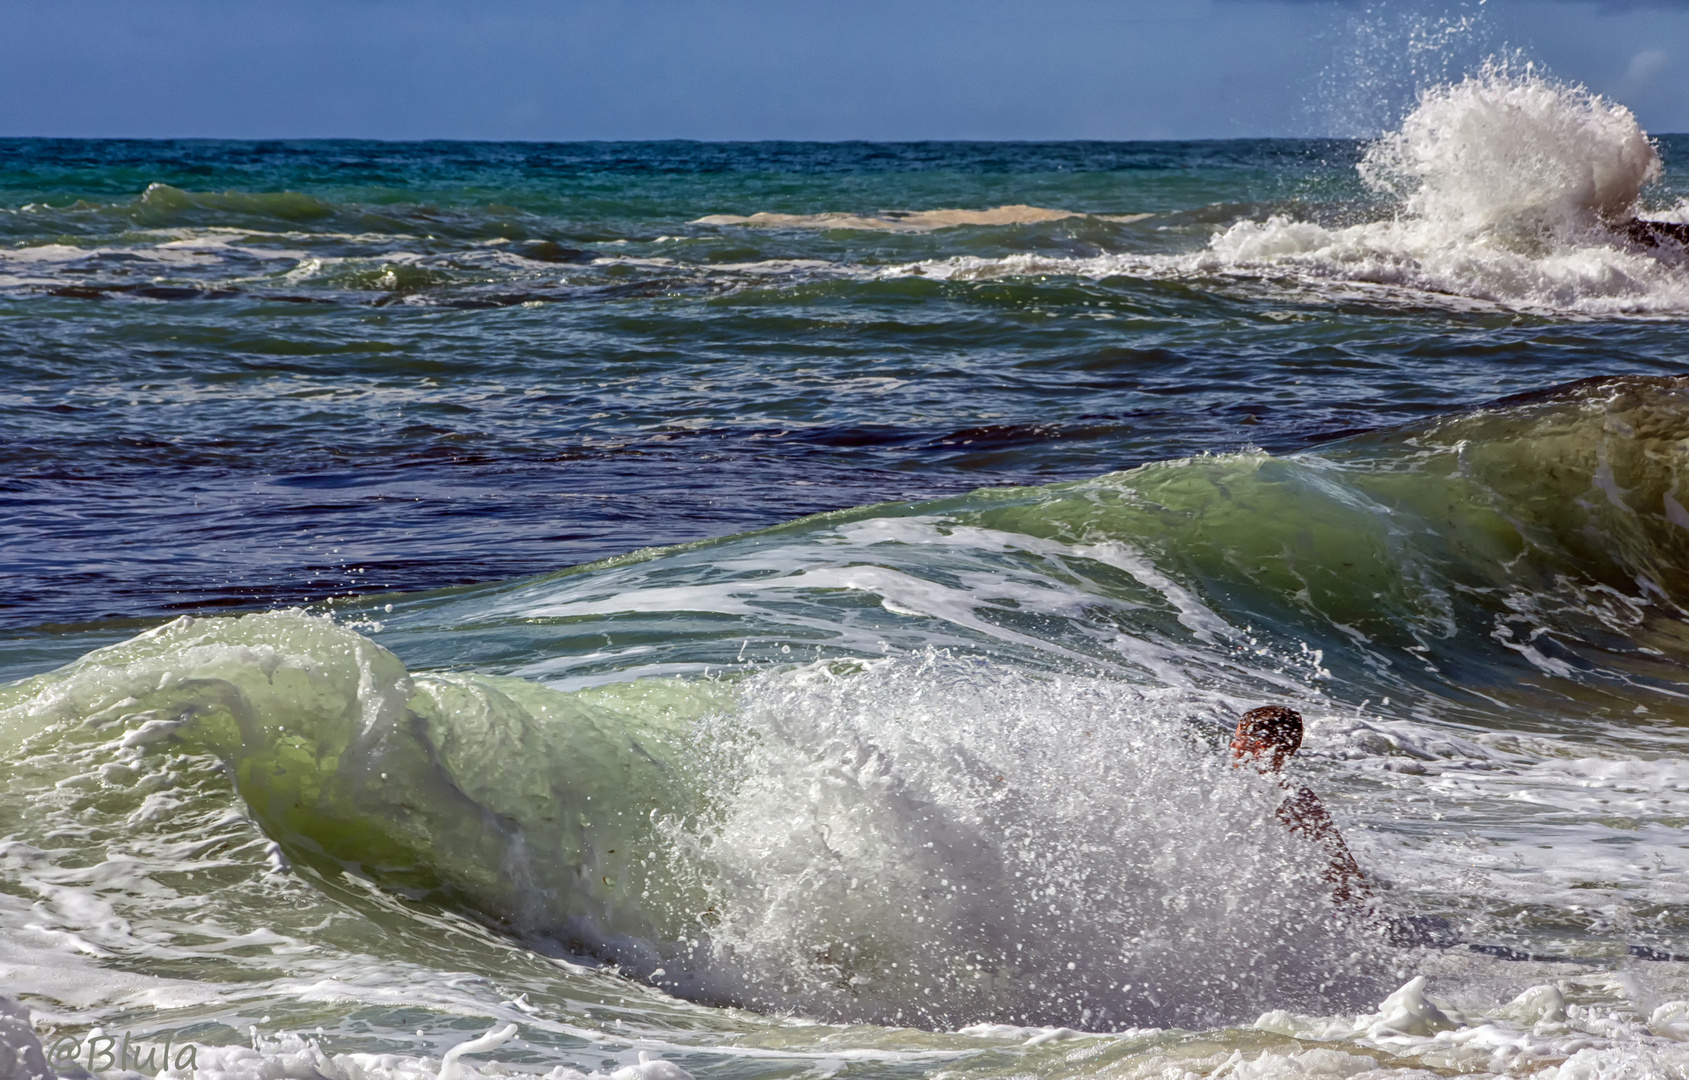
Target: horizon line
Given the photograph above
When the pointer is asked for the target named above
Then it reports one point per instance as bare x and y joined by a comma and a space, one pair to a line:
706, 142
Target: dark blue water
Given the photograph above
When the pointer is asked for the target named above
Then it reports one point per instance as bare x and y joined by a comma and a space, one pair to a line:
300, 370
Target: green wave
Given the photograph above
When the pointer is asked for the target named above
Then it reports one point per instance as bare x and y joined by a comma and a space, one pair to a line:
912, 844
1517, 565
161, 204
1542, 542
782, 840
481, 791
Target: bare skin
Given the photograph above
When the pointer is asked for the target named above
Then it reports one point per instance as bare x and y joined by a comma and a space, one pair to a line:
1266, 738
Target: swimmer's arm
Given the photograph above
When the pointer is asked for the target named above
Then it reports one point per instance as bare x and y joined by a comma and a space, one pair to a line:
1304, 813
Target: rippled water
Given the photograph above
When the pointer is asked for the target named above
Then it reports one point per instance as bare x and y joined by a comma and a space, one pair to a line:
221, 392
586, 727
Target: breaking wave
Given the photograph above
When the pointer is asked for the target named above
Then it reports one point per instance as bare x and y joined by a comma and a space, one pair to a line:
1506, 187
989, 783
1515, 154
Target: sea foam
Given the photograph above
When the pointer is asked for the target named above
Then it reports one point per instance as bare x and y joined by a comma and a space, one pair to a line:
1507, 188
1515, 152
926, 840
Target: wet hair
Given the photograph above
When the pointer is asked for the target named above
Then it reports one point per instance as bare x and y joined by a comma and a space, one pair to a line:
1274, 725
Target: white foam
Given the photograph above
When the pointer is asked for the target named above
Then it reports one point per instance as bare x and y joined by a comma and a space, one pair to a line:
932, 841
451, 1067
1511, 151
1506, 186
810, 589
824, 794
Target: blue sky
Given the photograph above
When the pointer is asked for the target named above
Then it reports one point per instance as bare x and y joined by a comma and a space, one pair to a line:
793, 69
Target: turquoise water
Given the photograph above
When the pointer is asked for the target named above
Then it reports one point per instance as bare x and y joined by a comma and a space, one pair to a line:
781, 607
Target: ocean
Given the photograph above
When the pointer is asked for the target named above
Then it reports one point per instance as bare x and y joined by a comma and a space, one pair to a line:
778, 610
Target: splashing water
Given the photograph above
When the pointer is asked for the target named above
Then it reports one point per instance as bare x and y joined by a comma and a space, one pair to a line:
1506, 187
960, 839
929, 841
1516, 153
434, 818
1386, 55
939, 841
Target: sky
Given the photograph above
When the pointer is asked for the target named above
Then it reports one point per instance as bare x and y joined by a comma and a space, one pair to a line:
796, 69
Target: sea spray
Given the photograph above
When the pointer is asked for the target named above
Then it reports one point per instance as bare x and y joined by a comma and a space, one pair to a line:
1385, 54
1480, 578
936, 841
928, 841
1511, 151
1506, 187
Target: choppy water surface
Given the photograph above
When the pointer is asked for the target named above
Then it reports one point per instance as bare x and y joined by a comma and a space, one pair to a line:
419, 630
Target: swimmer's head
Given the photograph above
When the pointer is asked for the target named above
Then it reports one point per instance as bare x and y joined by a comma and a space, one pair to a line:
1266, 737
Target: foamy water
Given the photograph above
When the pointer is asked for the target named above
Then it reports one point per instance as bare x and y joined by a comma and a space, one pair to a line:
1006, 858
935, 782
1505, 188
1515, 153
